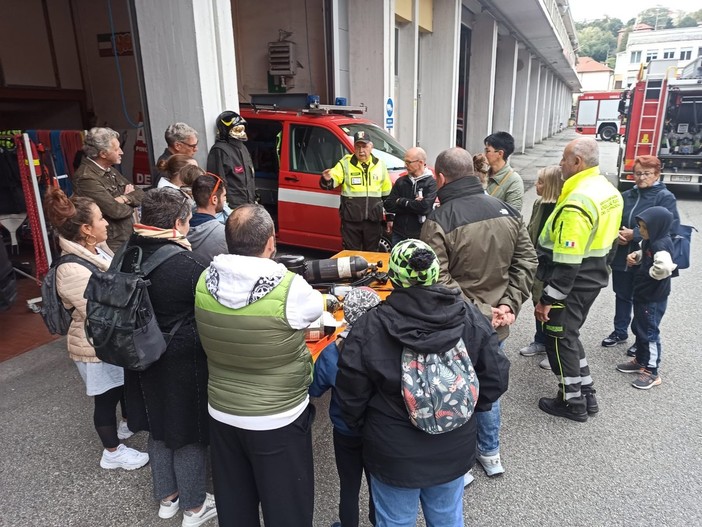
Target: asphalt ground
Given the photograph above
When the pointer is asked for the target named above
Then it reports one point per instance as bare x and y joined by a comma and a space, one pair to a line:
638, 462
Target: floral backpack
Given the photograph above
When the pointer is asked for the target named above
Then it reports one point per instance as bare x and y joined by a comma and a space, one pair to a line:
440, 390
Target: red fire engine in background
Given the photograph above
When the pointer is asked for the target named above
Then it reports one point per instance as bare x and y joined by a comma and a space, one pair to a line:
665, 120
598, 114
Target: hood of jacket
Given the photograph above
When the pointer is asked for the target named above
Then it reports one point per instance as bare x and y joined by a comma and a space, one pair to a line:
199, 233
237, 281
461, 187
658, 221
425, 319
427, 173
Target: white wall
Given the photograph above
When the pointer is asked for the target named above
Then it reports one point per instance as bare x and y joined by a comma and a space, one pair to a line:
596, 81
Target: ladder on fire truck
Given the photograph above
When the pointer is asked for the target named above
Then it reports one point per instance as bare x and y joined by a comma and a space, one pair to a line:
649, 128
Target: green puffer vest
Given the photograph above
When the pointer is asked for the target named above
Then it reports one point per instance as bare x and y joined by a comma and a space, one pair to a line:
258, 365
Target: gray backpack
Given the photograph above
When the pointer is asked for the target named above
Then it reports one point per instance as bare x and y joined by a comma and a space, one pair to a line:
120, 322
55, 315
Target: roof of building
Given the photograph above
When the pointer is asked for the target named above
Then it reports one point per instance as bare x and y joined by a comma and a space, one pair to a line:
590, 65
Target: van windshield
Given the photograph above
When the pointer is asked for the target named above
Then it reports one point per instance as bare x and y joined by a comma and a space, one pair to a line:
385, 146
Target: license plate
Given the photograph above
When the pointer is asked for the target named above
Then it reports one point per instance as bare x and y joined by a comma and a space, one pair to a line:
681, 178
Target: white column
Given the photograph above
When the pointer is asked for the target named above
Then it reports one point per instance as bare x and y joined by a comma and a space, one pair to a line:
534, 92
407, 81
481, 84
505, 82
438, 79
188, 71
521, 100
543, 104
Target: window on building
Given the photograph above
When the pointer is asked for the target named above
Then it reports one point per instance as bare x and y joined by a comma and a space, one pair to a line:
669, 53
617, 85
685, 53
651, 55
635, 57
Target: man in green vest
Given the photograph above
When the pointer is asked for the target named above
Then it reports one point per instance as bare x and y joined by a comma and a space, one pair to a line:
572, 249
251, 313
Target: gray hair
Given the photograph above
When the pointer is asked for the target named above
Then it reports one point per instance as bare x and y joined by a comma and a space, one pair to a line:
586, 149
454, 164
98, 140
161, 207
178, 133
248, 230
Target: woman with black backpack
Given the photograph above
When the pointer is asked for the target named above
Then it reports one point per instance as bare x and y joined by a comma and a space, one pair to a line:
169, 398
83, 232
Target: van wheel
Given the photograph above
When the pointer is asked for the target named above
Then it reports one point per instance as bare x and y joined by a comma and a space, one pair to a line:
607, 133
385, 245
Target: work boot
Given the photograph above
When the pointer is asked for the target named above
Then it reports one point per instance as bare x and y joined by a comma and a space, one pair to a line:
591, 402
560, 408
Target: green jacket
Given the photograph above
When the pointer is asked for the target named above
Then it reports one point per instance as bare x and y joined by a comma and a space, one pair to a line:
258, 364
506, 184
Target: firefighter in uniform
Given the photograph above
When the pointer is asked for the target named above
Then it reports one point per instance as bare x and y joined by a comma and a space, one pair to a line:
572, 248
364, 183
230, 159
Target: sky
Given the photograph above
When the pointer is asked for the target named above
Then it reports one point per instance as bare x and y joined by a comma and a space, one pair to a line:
624, 9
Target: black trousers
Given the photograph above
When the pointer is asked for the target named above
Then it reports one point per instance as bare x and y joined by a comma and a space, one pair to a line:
348, 452
361, 235
270, 467
566, 355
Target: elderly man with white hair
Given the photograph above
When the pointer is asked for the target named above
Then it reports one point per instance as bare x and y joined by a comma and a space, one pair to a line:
572, 249
96, 178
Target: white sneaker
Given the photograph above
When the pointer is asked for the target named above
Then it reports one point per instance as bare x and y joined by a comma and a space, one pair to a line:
168, 509
468, 478
123, 431
208, 510
491, 464
532, 349
545, 364
124, 457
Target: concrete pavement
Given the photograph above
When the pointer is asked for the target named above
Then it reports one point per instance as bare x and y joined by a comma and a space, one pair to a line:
638, 462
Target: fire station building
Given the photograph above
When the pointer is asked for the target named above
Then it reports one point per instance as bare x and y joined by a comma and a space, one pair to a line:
434, 73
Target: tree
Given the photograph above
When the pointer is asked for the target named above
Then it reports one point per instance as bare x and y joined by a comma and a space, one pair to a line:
687, 21
658, 17
596, 42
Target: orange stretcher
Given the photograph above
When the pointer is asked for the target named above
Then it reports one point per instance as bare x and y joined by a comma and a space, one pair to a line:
382, 289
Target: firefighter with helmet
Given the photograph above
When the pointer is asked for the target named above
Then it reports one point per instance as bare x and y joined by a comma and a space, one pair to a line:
230, 159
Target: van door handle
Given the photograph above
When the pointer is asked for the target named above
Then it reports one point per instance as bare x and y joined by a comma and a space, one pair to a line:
291, 178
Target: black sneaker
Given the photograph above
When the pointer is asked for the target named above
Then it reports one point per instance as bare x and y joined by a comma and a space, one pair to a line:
560, 408
591, 402
631, 351
613, 340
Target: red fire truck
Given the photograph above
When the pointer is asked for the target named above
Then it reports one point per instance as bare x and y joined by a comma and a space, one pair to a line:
598, 114
665, 120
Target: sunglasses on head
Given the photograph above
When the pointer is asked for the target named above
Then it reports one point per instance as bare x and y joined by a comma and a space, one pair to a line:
218, 183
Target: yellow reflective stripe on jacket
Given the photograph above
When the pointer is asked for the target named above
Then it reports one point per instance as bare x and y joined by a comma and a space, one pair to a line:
585, 220
355, 182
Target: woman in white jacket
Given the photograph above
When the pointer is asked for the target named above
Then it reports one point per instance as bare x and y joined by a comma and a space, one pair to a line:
82, 232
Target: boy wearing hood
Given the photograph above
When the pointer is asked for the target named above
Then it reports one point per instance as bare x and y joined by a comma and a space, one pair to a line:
406, 463
651, 290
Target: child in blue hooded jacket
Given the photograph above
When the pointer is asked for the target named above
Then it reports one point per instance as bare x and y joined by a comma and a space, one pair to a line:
651, 289
347, 444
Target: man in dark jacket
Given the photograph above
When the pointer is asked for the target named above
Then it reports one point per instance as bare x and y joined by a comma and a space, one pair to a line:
230, 159
412, 197
484, 248
408, 464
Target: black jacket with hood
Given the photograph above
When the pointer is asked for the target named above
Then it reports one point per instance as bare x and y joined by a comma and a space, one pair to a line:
652, 278
368, 383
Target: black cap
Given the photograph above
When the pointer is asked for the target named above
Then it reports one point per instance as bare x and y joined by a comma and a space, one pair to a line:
361, 137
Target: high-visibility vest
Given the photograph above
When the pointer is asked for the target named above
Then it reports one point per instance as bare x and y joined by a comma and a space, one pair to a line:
357, 181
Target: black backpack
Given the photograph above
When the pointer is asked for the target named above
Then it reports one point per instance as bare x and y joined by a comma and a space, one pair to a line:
56, 317
120, 322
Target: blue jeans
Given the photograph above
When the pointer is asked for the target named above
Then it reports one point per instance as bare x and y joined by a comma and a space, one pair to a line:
397, 506
396, 238
488, 424
623, 285
539, 336
648, 335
